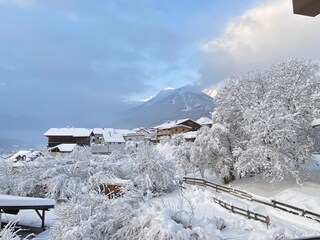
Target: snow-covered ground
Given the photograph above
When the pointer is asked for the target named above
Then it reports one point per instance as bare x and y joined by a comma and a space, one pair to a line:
239, 227
204, 215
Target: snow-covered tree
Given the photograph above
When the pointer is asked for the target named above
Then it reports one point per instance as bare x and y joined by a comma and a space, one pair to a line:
182, 158
152, 171
268, 116
7, 178
201, 152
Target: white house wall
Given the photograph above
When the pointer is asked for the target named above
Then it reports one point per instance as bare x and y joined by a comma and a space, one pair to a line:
107, 148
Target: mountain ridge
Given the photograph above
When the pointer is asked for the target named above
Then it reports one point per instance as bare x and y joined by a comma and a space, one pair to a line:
169, 104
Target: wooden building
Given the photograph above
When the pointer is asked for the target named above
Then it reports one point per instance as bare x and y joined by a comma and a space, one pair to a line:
176, 127
79, 136
309, 8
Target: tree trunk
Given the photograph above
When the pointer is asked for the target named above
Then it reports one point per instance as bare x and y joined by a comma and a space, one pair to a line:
229, 178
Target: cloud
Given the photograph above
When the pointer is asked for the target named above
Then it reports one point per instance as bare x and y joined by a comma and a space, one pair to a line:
77, 63
263, 35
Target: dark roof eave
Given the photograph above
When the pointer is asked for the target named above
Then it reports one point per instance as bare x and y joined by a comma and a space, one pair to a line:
36, 207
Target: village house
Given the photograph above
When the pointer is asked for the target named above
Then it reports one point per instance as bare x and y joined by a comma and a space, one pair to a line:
205, 121
190, 136
176, 127
107, 140
78, 136
26, 155
62, 149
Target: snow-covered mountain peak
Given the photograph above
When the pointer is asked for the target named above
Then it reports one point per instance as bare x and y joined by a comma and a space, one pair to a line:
170, 104
174, 93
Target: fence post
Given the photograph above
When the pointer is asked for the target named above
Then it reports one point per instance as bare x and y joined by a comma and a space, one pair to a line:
267, 221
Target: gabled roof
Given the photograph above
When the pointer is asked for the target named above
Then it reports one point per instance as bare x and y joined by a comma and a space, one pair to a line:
111, 134
73, 132
204, 121
64, 147
171, 124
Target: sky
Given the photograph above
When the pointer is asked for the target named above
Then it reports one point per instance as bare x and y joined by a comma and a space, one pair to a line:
83, 63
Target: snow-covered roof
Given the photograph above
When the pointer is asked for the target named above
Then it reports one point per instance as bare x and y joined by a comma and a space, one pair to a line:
315, 123
9, 200
112, 135
64, 147
171, 124
74, 132
204, 121
114, 181
29, 155
192, 134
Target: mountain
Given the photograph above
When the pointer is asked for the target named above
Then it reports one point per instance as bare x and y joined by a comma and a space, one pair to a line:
9, 145
171, 104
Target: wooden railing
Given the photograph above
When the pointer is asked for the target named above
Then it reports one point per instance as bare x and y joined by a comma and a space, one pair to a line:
247, 196
244, 212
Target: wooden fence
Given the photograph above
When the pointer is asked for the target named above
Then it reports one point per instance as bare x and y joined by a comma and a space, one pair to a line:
244, 212
247, 196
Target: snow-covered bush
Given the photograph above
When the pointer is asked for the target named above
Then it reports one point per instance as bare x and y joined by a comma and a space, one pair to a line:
9, 232
90, 215
61, 178
169, 221
156, 222
152, 171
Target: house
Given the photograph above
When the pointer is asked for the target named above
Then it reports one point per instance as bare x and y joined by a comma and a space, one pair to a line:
79, 136
176, 127
62, 149
27, 155
107, 140
190, 136
309, 8
135, 137
205, 121
139, 135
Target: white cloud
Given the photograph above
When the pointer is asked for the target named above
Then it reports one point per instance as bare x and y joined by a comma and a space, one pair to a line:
263, 35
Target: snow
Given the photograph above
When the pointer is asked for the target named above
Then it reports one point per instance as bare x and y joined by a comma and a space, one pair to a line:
114, 181
306, 198
9, 200
29, 155
315, 123
160, 96
113, 135
204, 121
74, 132
192, 134
171, 124
64, 147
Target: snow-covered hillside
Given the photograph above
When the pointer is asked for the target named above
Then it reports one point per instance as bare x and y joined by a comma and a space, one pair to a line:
170, 104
